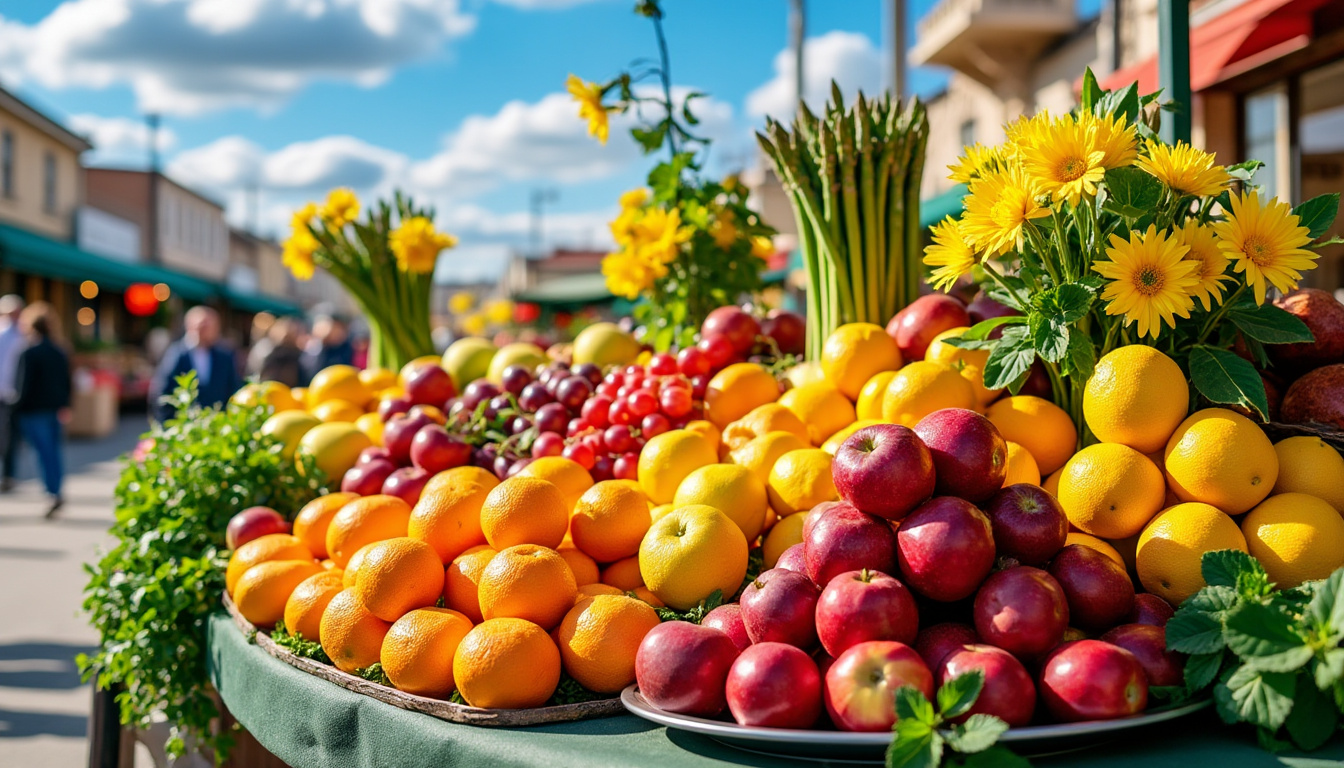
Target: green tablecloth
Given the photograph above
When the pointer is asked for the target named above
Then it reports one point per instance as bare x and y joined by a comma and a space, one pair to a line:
310, 723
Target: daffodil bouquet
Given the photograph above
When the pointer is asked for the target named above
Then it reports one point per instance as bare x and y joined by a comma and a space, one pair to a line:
1101, 235
386, 263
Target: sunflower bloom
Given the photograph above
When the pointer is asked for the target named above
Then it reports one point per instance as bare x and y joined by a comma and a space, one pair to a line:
1023, 131
950, 255
976, 160
660, 235
591, 108
762, 247
303, 216
416, 244
634, 198
298, 252
341, 208
1266, 243
999, 206
1150, 282
1185, 169
1116, 138
1212, 262
1063, 160
627, 274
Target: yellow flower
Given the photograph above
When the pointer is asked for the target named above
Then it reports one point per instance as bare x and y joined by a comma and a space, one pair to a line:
659, 235
591, 108
976, 160
416, 244
1266, 243
1063, 159
1022, 131
627, 275
723, 230
1212, 262
999, 206
1150, 283
461, 302
303, 216
762, 247
474, 325
298, 253
341, 208
500, 311
1116, 138
950, 254
634, 198
1185, 169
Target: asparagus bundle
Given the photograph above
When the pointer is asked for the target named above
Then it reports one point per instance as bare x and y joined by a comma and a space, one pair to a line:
853, 178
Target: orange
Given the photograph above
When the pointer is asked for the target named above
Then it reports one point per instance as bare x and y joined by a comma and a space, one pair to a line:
833, 443
334, 447
785, 533
364, 521
668, 458
1309, 465
1171, 546
1298, 538
582, 566
371, 424
524, 510
568, 475
822, 407
272, 546
1051, 483
399, 575
610, 520
351, 636
593, 590
624, 574
310, 526
351, 572
1110, 490
1137, 396
921, 388
1088, 540
300, 395
690, 553
527, 582
264, 589
338, 382
1038, 425
448, 515
734, 490
1221, 458
599, 637
804, 373
708, 431
771, 417
461, 580
303, 609
417, 652
506, 664
760, 454
1021, 467
800, 480
643, 593
376, 379
659, 511
854, 353
970, 363
868, 406
337, 410
736, 390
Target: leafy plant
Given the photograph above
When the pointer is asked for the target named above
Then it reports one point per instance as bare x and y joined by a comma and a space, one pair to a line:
1272, 657
923, 741
151, 595
695, 614
297, 644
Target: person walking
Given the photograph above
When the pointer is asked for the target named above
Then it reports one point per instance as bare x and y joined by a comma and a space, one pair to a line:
11, 344
43, 403
199, 350
329, 344
277, 356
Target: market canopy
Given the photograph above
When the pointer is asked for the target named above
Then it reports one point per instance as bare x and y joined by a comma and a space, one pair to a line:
571, 289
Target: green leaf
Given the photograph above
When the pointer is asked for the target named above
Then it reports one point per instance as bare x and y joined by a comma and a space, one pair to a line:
911, 704
1326, 608
1193, 631
1131, 192
959, 694
916, 745
1265, 639
1318, 213
1049, 337
1010, 359
977, 734
1201, 669
1066, 304
982, 329
1244, 171
1333, 240
1258, 698
1091, 90
1171, 694
1223, 377
1221, 568
1081, 357
1269, 324
1270, 742
995, 757
650, 139
1314, 717
1329, 668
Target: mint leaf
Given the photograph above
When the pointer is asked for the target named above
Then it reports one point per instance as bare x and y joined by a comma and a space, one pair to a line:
1214, 600
1329, 668
1265, 639
916, 745
977, 734
1221, 567
1258, 698
1318, 213
1194, 632
1223, 377
1244, 171
911, 704
1201, 670
958, 695
982, 329
1269, 324
1132, 192
1049, 337
1081, 357
1326, 608
1091, 90
1314, 717
1010, 359
995, 757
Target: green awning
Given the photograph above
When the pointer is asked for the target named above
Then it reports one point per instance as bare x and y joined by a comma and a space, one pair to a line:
260, 302
570, 289
935, 209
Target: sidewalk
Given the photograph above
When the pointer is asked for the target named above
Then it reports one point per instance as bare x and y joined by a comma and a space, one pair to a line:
44, 708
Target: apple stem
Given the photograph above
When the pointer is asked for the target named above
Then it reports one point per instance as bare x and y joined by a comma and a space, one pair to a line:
865, 576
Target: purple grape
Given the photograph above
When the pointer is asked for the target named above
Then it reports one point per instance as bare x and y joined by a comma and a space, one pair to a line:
518, 466
603, 469
501, 467
590, 372
497, 405
534, 396
480, 458
573, 391
478, 392
516, 377
552, 417
519, 424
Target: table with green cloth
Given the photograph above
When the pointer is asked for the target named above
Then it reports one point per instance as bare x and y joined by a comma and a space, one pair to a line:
311, 723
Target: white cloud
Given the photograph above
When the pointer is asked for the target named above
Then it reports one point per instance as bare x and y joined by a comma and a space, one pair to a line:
118, 139
849, 58
544, 5
193, 56
232, 162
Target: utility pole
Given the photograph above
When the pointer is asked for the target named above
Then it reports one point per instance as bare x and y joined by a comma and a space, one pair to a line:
540, 198
1173, 67
797, 37
152, 128
896, 8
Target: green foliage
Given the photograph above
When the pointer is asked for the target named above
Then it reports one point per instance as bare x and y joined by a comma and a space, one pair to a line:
697, 613
925, 739
374, 673
151, 595
297, 644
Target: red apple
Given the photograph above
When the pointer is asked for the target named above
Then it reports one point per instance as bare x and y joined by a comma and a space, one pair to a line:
733, 324
389, 407
367, 479
774, 685
727, 618
816, 512
1092, 680
844, 539
936, 643
884, 470
1029, 524
429, 385
432, 412
433, 449
970, 457
253, 523
945, 548
787, 329
1149, 646
858, 606
861, 685
793, 559
682, 667
1098, 590
914, 327
1021, 610
780, 606
1150, 609
371, 453
1008, 692
398, 433
984, 308
406, 484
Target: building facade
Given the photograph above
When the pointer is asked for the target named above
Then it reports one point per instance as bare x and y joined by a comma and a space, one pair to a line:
41, 178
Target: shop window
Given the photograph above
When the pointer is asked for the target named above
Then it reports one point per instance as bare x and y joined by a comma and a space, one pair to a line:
7, 163
49, 183
968, 133
1266, 120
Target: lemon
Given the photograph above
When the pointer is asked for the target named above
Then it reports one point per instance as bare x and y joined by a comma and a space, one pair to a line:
1309, 465
1172, 544
1038, 425
289, 427
1296, 537
1137, 396
823, 408
800, 480
869, 404
1021, 467
921, 388
1221, 458
518, 353
760, 454
691, 552
707, 432
784, 534
338, 382
668, 458
771, 417
809, 372
854, 353
834, 442
605, 344
733, 489
970, 363
1088, 540
371, 424
736, 390
1110, 490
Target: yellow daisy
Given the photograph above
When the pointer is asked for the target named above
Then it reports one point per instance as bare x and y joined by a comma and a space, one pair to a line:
660, 235
950, 255
341, 208
1266, 243
1117, 139
461, 303
627, 275
591, 108
303, 216
1212, 262
723, 230
1150, 283
1024, 130
999, 206
762, 247
1063, 160
634, 198
297, 255
975, 160
1185, 169
416, 244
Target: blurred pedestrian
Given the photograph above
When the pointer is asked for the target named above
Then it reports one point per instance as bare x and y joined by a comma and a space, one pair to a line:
330, 344
43, 404
200, 351
11, 345
282, 359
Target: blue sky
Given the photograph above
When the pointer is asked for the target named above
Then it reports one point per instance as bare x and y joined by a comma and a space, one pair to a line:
457, 100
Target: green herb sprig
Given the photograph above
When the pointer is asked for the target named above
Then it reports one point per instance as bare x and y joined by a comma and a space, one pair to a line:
297, 644
696, 614
923, 741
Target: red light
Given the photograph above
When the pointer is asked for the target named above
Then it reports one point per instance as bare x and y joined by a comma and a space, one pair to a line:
140, 300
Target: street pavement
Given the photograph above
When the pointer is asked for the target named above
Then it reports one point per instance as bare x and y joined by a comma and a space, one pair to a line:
44, 708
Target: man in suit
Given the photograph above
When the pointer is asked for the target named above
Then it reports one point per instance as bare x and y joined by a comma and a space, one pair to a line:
199, 350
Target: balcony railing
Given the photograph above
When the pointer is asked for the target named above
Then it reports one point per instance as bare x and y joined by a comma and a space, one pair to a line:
956, 32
